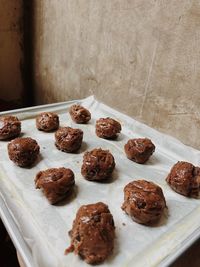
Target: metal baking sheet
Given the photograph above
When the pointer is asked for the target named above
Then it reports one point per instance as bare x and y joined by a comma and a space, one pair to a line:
39, 230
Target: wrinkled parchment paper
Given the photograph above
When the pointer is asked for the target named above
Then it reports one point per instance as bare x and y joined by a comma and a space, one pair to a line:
45, 227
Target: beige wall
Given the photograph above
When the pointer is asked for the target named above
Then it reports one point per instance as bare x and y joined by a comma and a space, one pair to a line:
11, 54
141, 57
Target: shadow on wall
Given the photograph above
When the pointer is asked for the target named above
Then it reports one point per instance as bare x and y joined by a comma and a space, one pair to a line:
15, 61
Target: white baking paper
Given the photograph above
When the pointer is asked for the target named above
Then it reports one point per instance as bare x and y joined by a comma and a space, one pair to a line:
45, 227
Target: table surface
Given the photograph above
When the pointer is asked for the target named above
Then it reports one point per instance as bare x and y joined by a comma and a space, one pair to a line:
190, 257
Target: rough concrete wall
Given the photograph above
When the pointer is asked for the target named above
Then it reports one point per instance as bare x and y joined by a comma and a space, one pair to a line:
140, 56
11, 54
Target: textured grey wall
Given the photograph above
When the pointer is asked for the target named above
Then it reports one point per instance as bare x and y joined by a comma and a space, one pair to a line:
141, 57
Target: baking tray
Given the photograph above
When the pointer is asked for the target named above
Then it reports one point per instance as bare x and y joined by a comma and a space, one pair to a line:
31, 222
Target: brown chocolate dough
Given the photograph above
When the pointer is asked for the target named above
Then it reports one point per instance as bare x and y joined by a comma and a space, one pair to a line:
107, 128
139, 149
79, 114
68, 139
23, 151
47, 121
93, 233
10, 127
144, 201
184, 178
98, 165
56, 183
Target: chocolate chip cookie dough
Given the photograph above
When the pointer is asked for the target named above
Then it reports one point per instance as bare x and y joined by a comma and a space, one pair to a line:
139, 149
56, 183
68, 139
47, 121
184, 178
98, 165
144, 201
93, 233
79, 114
10, 127
108, 128
23, 151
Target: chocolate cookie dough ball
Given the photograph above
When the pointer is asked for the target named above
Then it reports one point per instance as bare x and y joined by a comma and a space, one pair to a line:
98, 165
184, 178
47, 121
139, 149
144, 201
68, 139
79, 114
56, 183
23, 151
107, 128
93, 233
10, 127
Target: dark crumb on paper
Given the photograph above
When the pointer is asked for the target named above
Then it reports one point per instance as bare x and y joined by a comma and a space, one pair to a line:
123, 224
69, 250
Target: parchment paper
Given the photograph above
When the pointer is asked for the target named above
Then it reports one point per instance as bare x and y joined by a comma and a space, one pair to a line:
45, 227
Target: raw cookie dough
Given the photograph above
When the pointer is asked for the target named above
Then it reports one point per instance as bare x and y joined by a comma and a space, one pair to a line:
144, 201
68, 139
47, 121
23, 151
79, 114
98, 165
93, 233
107, 128
56, 183
184, 178
139, 149
10, 127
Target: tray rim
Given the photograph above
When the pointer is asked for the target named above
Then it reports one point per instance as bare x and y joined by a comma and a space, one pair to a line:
13, 230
